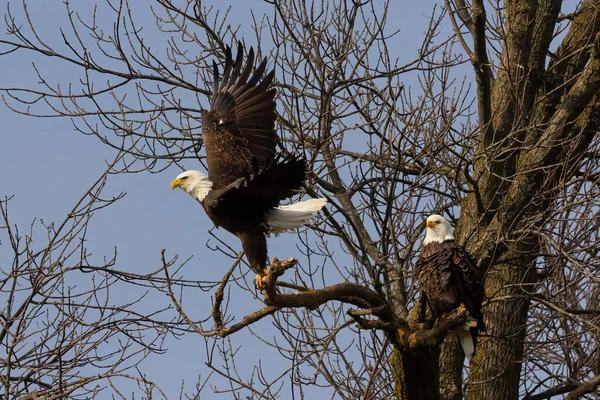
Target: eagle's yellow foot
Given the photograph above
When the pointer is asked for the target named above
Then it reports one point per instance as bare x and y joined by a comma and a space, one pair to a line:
261, 280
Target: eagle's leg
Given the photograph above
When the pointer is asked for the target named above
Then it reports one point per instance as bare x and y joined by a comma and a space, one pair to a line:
255, 247
422, 307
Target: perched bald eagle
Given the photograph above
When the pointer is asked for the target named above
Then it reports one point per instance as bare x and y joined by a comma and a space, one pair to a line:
246, 178
447, 277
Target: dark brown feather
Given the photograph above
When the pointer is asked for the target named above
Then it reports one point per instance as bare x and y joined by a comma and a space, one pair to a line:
448, 277
279, 180
239, 138
241, 207
258, 191
254, 245
240, 125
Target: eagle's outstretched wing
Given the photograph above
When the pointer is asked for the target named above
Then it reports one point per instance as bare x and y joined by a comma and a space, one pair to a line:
280, 179
239, 129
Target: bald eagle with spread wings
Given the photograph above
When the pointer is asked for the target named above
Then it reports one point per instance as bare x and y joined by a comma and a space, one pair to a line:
246, 178
448, 277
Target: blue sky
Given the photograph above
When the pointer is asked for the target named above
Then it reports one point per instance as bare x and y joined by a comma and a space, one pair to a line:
46, 165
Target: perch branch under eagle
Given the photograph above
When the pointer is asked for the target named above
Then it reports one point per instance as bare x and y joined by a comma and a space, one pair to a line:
247, 179
448, 278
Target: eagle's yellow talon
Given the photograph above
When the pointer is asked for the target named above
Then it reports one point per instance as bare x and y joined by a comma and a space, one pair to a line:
261, 280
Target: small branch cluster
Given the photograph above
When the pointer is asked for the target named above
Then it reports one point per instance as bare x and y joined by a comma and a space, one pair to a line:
401, 334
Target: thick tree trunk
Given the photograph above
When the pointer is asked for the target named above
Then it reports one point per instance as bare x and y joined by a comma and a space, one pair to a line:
416, 374
496, 369
452, 360
538, 115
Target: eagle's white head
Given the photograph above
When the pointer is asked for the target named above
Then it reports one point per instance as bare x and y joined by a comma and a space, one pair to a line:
195, 183
438, 229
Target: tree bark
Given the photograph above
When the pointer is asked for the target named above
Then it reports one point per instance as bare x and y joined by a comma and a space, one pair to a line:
538, 116
416, 374
451, 362
496, 369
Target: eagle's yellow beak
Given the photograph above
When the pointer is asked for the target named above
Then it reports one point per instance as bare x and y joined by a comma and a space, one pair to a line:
430, 223
176, 183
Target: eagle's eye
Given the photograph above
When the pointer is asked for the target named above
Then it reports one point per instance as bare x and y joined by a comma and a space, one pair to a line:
183, 178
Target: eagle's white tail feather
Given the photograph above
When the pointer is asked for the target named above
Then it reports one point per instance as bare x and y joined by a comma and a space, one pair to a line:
466, 340
292, 216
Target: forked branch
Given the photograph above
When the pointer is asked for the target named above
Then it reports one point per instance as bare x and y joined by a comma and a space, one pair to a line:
370, 303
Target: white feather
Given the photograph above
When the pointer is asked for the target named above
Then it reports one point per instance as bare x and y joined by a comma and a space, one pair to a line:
438, 230
466, 340
195, 183
292, 216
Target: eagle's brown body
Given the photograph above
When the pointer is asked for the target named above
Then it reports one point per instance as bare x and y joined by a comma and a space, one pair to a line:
448, 277
242, 210
248, 178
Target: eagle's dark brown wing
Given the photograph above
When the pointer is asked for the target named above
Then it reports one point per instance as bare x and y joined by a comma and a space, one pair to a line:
470, 289
279, 180
239, 129
448, 277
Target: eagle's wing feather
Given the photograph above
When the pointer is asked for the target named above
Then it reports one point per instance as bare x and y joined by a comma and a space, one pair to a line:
469, 286
227, 156
279, 180
240, 125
